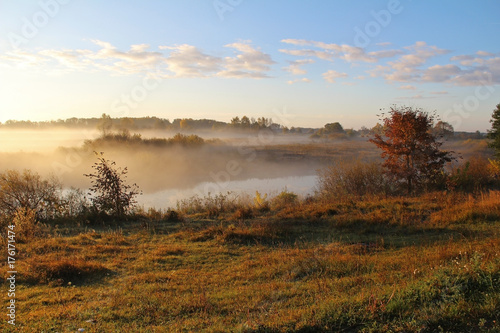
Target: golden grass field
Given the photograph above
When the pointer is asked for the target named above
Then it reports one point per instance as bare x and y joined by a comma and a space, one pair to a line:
371, 263
421, 264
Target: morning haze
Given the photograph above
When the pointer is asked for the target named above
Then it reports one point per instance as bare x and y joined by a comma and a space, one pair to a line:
250, 166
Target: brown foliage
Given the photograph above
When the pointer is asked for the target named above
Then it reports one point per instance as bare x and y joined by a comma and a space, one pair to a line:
412, 154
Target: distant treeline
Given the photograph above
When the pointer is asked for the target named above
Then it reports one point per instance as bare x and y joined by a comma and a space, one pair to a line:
145, 123
106, 124
124, 138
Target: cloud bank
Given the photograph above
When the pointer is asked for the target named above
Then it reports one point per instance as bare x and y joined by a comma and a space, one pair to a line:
419, 63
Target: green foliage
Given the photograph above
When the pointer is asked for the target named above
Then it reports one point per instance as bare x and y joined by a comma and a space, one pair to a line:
333, 128
494, 132
332, 131
111, 195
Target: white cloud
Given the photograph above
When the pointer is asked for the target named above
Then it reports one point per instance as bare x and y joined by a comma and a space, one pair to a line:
298, 80
418, 96
329, 51
461, 58
309, 53
295, 66
379, 70
439, 73
385, 53
476, 78
295, 41
484, 54
188, 61
331, 76
439, 93
22, 59
135, 60
406, 68
174, 61
417, 63
481, 69
250, 62
408, 87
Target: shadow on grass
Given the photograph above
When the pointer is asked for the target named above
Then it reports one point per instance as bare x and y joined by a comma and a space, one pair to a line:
65, 272
293, 233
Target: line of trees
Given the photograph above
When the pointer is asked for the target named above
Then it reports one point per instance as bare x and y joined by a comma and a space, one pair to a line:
106, 124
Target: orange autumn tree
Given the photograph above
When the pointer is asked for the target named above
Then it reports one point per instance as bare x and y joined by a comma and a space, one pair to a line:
412, 153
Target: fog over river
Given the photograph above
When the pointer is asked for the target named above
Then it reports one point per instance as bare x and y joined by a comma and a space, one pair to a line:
236, 164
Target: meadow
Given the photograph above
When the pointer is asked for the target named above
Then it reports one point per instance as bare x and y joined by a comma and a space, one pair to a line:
362, 260
424, 264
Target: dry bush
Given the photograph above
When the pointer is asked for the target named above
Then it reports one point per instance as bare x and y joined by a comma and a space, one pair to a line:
210, 206
28, 190
476, 174
285, 199
344, 179
26, 225
260, 202
159, 215
243, 213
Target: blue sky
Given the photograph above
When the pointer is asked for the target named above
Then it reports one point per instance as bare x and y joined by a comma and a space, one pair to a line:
302, 63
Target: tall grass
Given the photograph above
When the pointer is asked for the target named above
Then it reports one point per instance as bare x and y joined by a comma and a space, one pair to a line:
382, 264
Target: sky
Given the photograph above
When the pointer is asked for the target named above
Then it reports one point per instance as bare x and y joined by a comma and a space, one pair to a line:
301, 63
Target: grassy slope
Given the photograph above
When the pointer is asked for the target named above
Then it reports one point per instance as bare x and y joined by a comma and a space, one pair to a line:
411, 265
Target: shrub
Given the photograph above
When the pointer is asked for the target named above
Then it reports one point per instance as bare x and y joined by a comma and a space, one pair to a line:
26, 225
352, 179
111, 194
260, 202
73, 203
243, 213
476, 174
172, 216
211, 206
284, 199
29, 191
